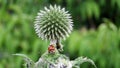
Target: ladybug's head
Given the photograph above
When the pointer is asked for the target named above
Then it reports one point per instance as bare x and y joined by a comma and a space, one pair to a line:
51, 49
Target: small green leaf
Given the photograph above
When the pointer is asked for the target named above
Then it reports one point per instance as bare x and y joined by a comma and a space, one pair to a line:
29, 63
81, 60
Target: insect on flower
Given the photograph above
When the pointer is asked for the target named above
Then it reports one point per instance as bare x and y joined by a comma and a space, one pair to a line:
51, 49
53, 23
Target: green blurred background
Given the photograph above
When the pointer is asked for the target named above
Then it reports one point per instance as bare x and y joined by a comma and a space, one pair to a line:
96, 31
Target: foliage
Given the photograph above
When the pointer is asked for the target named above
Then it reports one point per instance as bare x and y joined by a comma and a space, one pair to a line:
102, 45
29, 63
55, 60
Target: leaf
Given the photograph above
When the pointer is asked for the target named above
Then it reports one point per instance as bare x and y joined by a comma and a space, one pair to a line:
81, 60
29, 62
115, 2
89, 9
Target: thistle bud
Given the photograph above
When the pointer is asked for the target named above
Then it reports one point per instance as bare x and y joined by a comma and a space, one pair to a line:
53, 23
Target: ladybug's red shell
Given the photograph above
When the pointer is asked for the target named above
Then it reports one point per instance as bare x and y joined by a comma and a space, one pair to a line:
51, 49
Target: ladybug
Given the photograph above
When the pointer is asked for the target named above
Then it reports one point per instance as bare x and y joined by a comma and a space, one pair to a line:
51, 49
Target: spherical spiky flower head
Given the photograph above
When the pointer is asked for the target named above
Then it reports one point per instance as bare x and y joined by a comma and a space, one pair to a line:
53, 23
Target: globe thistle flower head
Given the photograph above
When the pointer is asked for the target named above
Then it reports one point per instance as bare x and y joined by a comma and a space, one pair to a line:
53, 23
